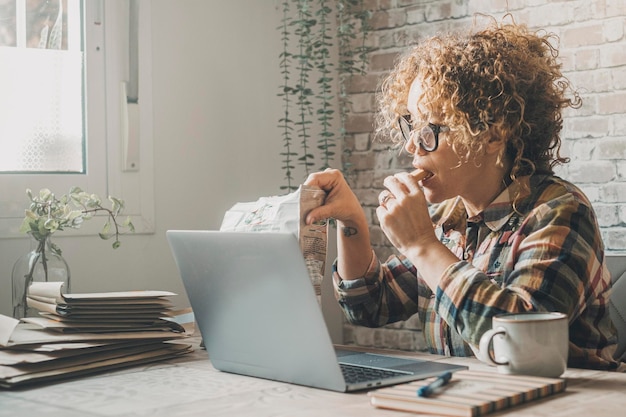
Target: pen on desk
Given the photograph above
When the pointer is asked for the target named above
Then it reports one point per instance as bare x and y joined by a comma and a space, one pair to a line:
428, 390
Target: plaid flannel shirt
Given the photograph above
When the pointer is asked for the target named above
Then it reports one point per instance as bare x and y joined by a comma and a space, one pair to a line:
546, 254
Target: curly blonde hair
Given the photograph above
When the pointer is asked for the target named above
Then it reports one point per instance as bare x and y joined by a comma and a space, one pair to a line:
502, 80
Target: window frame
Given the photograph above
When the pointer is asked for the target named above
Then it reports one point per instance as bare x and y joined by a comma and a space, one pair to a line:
106, 50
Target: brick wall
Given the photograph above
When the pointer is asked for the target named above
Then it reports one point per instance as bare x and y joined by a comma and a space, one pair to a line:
593, 53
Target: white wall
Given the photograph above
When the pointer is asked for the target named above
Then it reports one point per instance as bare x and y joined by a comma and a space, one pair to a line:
215, 74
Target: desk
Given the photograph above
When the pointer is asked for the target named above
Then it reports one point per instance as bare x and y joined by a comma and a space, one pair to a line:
190, 386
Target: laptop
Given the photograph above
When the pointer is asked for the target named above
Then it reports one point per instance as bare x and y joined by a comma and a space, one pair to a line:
258, 315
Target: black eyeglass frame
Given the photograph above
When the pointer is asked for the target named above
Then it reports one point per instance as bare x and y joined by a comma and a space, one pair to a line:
405, 121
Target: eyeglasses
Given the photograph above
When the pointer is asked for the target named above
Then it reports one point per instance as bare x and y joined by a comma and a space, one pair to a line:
427, 137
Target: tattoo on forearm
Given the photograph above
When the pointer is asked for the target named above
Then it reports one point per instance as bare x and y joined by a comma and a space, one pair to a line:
349, 231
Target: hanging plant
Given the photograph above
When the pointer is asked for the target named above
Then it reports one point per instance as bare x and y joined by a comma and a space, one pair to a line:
352, 60
313, 30
286, 92
325, 96
305, 59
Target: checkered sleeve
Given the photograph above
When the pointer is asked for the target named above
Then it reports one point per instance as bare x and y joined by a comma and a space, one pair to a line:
387, 293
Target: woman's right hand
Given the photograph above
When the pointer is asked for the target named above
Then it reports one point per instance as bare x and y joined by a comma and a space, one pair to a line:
341, 203
354, 253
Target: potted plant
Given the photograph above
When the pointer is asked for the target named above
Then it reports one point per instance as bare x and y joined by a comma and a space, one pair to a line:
47, 215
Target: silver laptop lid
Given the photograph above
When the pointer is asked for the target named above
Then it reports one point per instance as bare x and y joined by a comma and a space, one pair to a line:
257, 316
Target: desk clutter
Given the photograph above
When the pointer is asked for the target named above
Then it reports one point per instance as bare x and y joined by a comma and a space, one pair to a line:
79, 334
467, 393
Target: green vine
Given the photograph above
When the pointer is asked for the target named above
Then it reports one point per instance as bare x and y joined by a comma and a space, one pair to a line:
351, 60
313, 28
325, 66
305, 58
285, 123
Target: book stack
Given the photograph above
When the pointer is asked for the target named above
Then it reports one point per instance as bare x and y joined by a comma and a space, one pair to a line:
77, 334
469, 393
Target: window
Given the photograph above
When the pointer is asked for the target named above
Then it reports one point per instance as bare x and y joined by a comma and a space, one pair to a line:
68, 119
41, 77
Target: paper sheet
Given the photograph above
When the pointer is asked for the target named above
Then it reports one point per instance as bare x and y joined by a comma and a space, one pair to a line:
287, 214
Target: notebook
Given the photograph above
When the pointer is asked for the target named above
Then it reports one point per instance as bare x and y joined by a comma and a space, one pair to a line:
469, 393
258, 315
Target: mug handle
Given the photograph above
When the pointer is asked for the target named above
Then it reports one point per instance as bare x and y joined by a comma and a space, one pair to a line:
484, 351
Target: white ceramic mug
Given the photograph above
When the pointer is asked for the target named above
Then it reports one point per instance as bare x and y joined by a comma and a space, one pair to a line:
532, 343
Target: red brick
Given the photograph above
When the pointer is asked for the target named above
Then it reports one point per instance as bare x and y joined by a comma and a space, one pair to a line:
383, 61
359, 123
379, 20
363, 83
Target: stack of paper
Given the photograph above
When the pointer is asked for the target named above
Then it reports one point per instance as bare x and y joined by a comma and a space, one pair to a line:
84, 333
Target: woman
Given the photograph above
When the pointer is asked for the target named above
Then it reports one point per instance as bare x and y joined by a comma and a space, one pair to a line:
484, 227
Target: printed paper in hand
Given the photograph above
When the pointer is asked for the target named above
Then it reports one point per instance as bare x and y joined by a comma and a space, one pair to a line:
286, 214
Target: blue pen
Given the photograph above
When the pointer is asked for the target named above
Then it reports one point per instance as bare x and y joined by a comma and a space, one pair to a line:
428, 390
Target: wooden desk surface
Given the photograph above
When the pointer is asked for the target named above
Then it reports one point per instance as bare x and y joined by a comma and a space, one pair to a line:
190, 387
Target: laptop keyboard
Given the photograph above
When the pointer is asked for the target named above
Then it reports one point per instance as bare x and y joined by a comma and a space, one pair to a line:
355, 374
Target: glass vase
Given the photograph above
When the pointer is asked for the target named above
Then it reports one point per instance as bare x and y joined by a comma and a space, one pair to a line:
42, 264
